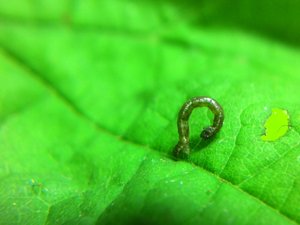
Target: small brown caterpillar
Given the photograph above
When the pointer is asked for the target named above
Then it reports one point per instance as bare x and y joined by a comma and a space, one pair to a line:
182, 147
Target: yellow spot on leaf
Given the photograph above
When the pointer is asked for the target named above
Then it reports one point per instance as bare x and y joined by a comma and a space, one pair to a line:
276, 125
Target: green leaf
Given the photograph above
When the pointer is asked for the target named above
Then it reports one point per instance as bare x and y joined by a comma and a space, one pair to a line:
89, 96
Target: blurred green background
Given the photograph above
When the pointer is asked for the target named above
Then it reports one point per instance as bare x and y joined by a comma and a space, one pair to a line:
89, 96
276, 19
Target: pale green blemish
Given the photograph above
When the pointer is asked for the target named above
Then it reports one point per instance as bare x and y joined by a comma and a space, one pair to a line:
276, 125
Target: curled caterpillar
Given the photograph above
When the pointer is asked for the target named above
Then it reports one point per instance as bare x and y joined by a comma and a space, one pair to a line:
182, 147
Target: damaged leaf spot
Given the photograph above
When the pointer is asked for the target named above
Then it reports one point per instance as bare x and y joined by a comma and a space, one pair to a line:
37, 187
276, 125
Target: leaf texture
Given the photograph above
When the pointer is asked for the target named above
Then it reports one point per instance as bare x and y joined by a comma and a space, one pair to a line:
89, 98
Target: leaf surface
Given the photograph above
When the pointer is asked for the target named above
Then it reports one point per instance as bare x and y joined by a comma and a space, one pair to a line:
88, 104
